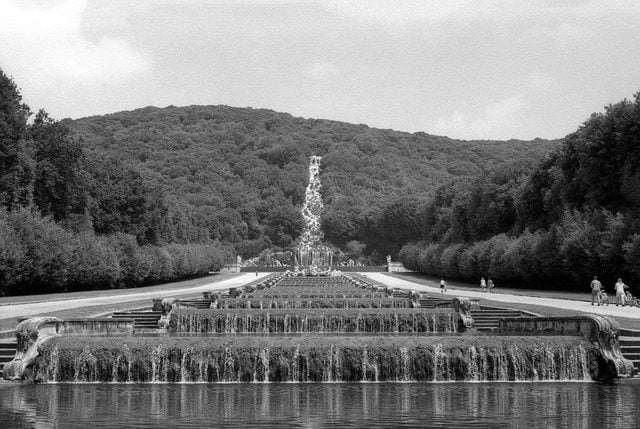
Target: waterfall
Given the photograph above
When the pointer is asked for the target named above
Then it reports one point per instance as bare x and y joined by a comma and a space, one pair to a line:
311, 251
314, 320
317, 359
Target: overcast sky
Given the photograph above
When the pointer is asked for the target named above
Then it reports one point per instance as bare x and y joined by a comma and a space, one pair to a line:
462, 68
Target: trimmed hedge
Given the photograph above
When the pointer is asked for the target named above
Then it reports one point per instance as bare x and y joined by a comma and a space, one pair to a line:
39, 256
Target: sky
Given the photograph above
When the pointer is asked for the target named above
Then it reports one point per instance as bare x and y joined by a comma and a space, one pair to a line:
467, 69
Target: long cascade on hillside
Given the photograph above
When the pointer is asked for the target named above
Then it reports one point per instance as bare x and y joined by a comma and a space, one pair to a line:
311, 250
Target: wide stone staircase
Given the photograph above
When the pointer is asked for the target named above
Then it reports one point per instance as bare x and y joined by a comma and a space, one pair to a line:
630, 347
7, 352
198, 303
432, 302
142, 319
486, 318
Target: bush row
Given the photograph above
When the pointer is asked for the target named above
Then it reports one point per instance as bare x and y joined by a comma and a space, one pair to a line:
566, 257
39, 256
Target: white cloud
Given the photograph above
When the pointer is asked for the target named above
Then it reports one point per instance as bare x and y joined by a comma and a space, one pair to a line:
394, 13
493, 122
542, 82
398, 13
321, 71
45, 46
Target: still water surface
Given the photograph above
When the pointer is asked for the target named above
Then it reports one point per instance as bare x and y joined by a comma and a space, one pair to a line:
370, 405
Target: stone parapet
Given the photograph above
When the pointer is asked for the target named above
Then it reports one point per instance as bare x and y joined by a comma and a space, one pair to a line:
598, 330
463, 306
31, 333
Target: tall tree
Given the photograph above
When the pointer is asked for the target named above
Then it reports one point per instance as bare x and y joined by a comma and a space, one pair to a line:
15, 166
59, 190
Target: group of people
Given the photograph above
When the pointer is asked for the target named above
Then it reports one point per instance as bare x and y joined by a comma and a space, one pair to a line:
486, 284
597, 292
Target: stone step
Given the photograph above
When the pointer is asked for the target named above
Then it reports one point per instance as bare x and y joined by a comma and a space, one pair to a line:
203, 305
486, 328
629, 342
479, 323
137, 313
7, 353
630, 347
496, 313
141, 319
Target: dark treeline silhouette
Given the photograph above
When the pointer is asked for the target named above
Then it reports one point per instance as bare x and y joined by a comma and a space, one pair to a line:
577, 214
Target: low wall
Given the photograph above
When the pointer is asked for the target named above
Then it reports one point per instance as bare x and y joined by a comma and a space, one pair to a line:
598, 330
397, 267
32, 333
369, 269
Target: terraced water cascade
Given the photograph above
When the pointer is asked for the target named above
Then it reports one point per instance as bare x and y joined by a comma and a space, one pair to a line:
320, 343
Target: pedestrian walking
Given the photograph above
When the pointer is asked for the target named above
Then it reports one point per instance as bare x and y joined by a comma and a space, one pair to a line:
595, 290
620, 292
483, 284
443, 286
490, 285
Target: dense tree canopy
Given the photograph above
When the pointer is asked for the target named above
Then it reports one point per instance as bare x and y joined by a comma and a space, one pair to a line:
70, 219
575, 215
239, 175
162, 193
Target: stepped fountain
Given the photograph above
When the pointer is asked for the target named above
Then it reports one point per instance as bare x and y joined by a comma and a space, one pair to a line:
317, 329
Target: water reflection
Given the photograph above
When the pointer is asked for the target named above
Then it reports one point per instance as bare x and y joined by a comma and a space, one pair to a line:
544, 405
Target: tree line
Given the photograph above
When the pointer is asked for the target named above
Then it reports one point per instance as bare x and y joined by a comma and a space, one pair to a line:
218, 181
74, 220
573, 216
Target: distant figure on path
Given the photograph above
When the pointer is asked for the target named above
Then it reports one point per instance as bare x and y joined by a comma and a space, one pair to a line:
490, 285
483, 284
620, 292
595, 290
443, 286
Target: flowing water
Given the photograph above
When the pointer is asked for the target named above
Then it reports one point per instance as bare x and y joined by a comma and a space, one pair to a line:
318, 405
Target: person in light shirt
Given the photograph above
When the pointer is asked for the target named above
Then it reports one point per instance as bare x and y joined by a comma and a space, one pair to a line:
595, 290
620, 292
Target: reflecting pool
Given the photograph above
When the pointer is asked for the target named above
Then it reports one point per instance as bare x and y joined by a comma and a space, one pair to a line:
310, 405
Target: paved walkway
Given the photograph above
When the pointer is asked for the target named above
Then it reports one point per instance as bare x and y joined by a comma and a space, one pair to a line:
583, 306
31, 309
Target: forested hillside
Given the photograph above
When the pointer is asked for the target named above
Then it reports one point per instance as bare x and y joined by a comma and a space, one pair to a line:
238, 175
157, 194
576, 215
